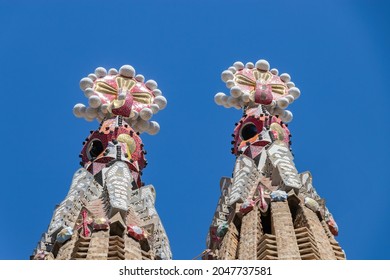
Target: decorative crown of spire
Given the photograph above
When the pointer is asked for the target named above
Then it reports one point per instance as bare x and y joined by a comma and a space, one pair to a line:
255, 84
123, 94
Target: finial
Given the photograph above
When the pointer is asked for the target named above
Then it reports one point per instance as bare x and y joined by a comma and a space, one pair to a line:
255, 84
121, 93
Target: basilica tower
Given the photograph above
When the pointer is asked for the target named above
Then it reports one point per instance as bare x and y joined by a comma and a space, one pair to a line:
267, 210
108, 213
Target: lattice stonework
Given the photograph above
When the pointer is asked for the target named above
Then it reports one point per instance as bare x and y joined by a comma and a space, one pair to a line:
108, 212
274, 212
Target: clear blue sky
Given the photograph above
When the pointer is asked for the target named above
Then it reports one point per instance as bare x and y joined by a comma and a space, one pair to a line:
337, 53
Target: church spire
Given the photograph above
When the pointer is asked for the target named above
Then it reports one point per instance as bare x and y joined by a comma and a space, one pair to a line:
109, 213
267, 209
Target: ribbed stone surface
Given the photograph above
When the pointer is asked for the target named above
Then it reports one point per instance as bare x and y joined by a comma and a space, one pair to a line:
250, 234
283, 230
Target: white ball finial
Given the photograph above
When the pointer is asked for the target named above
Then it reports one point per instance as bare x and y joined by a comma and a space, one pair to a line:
227, 75
127, 71
160, 101
112, 71
295, 92
262, 65
79, 110
140, 78
282, 102
151, 84
94, 101
245, 97
285, 77
157, 92
154, 128
100, 72
146, 114
287, 117
154, 108
249, 65
218, 98
86, 83
238, 65
235, 91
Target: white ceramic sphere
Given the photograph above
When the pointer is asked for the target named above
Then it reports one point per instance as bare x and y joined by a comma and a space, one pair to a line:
238, 65
88, 92
127, 71
235, 91
274, 71
151, 84
249, 65
104, 108
245, 97
218, 98
294, 91
140, 78
112, 71
157, 92
78, 110
154, 128
232, 69
160, 101
94, 101
285, 77
224, 99
154, 108
290, 98
230, 84
262, 65
287, 117
86, 83
230, 101
282, 102
100, 72
227, 75
290, 84
92, 77
146, 114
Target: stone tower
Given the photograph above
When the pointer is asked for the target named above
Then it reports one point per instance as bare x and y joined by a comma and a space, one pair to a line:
267, 210
108, 213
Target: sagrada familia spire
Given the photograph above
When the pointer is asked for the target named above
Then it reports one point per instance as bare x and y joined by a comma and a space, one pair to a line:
108, 213
267, 210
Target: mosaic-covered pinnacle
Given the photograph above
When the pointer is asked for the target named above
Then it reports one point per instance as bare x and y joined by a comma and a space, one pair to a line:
256, 84
121, 93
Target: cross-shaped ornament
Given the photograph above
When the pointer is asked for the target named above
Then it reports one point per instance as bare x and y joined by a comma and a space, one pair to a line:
84, 224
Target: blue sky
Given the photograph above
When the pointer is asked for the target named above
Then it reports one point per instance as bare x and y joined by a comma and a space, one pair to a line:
335, 51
